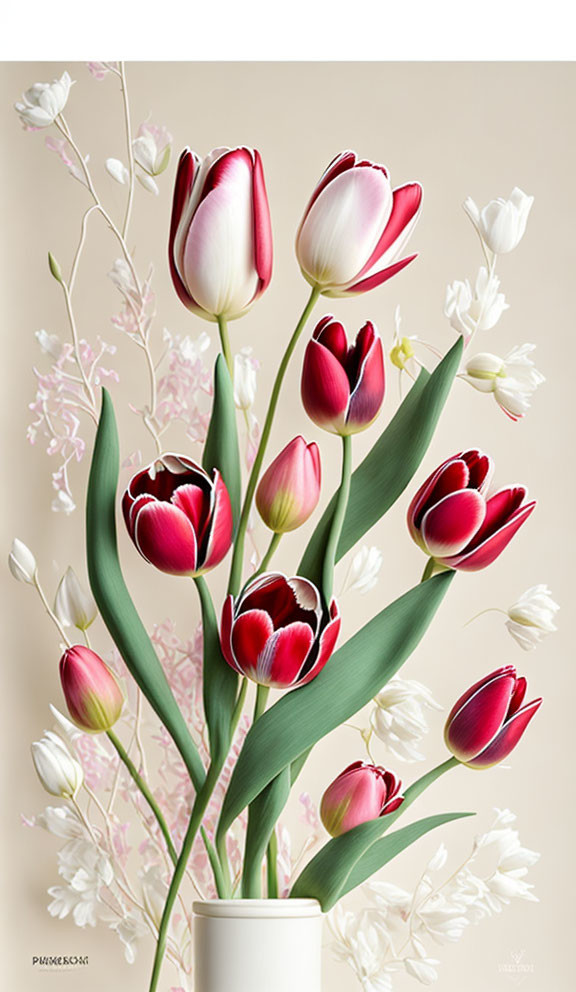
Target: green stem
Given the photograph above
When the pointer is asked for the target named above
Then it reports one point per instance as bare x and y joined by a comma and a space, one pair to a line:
418, 787
428, 570
215, 864
225, 342
271, 866
261, 700
274, 542
221, 848
198, 810
337, 519
237, 559
123, 755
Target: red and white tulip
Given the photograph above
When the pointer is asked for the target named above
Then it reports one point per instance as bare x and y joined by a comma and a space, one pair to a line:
93, 696
454, 520
289, 490
355, 227
343, 386
277, 632
220, 235
178, 516
487, 722
360, 793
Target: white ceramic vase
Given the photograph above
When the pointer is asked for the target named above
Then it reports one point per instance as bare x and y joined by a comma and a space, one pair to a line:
257, 945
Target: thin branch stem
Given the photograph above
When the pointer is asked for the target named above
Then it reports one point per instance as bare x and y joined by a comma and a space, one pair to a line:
50, 611
131, 169
337, 520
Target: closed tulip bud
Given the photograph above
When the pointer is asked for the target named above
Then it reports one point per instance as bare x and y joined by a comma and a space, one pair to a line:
92, 694
343, 386
277, 632
355, 227
487, 722
502, 223
74, 606
289, 490
360, 793
60, 773
179, 516
21, 562
454, 520
220, 236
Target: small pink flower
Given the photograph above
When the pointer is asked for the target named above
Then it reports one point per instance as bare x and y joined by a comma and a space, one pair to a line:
277, 632
343, 386
487, 722
455, 521
355, 227
92, 694
289, 490
360, 793
178, 516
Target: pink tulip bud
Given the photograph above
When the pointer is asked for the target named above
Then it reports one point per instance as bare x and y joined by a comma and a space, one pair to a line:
456, 522
92, 694
289, 490
277, 632
220, 248
343, 387
487, 722
360, 793
355, 227
178, 516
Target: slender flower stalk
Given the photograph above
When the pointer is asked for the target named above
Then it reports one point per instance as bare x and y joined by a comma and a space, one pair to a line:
263, 567
225, 342
237, 558
337, 519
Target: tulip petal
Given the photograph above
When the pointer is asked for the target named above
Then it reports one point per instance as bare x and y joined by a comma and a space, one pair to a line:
284, 655
331, 334
262, 226
448, 526
473, 723
406, 203
185, 175
507, 739
166, 538
194, 504
368, 394
226, 633
250, 633
325, 388
450, 476
326, 645
341, 163
284, 600
484, 554
480, 467
371, 282
220, 526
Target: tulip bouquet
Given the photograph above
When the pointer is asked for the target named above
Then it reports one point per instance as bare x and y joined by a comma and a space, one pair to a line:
188, 516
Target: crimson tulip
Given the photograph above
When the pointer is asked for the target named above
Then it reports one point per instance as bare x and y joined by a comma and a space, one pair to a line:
355, 227
92, 694
289, 490
343, 386
456, 522
360, 793
277, 632
179, 516
487, 722
220, 248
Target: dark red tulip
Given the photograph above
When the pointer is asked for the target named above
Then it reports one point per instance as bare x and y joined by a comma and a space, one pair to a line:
454, 520
178, 516
277, 632
343, 386
487, 722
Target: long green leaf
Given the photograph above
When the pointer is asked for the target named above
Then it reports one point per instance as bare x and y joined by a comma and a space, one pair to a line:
355, 673
112, 596
348, 860
263, 814
219, 681
221, 447
390, 465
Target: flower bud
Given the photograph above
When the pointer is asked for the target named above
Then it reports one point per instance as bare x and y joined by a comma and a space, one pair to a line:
502, 223
93, 696
487, 722
60, 773
21, 562
360, 793
73, 606
43, 102
289, 490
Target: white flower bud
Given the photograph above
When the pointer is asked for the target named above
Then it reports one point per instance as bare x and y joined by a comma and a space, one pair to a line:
21, 562
60, 773
74, 606
42, 103
531, 618
244, 379
501, 223
117, 170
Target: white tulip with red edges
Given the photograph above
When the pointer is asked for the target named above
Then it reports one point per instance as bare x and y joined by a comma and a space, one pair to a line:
220, 236
355, 227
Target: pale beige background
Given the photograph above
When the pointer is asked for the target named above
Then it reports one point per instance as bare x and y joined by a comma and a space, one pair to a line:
461, 129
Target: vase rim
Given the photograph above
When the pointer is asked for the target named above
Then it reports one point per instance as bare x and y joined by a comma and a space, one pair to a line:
258, 908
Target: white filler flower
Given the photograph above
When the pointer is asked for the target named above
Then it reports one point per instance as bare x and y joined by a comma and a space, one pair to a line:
513, 380
474, 310
501, 223
42, 103
531, 618
398, 718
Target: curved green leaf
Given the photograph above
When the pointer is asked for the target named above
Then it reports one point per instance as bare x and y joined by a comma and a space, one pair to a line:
112, 596
390, 465
348, 860
352, 677
262, 815
219, 680
221, 447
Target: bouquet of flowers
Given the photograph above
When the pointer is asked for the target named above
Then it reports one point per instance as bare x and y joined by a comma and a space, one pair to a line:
224, 778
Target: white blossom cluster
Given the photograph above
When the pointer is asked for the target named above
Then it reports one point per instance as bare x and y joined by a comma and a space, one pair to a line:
396, 929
